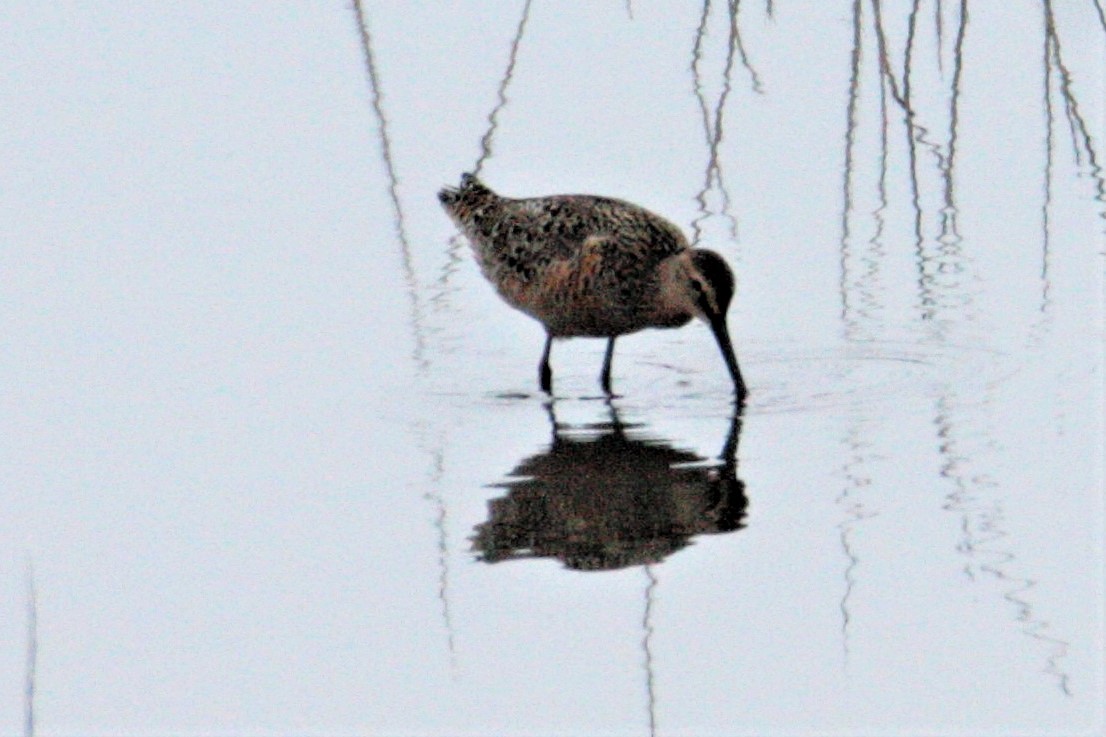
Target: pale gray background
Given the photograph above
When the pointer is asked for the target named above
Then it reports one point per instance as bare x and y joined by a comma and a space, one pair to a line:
255, 394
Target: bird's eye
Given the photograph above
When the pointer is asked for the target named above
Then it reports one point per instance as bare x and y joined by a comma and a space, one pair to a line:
704, 297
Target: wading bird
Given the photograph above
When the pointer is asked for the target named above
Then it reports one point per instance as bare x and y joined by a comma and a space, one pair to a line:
587, 266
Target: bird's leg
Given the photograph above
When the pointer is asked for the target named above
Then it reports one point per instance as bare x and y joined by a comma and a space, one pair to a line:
605, 377
545, 374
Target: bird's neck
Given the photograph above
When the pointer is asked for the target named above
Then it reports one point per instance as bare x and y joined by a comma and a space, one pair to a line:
675, 304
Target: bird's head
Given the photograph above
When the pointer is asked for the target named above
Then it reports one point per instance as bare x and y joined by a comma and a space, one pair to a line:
711, 286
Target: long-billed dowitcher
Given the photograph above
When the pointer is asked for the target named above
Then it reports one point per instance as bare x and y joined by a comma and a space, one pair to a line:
587, 266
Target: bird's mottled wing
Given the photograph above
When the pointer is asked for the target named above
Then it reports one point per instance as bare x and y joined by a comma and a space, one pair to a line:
630, 239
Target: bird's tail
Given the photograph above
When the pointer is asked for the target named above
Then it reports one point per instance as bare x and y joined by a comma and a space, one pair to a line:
469, 196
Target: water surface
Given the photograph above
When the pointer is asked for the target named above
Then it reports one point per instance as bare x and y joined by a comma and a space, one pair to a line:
275, 458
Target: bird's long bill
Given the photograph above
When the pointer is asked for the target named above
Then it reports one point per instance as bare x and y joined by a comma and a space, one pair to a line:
722, 335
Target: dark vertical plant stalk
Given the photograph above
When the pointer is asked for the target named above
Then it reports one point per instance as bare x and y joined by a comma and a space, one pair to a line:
925, 278
713, 123
854, 468
1101, 14
885, 62
501, 93
1082, 141
939, 30
399, 221
708, 131
735, 33
1080, 136
453, 251
908, 53
902, 99
696, 72
850, 141
876, 252
881, 186
949, 233
854, 471
1046, 204
412, 290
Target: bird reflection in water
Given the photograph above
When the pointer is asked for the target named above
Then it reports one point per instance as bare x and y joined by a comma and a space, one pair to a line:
608, 496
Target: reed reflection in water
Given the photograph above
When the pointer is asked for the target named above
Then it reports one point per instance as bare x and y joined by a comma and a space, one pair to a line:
255, 433
915, 273
923, 80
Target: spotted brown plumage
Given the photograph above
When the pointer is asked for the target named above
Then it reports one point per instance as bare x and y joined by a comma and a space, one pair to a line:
587, 266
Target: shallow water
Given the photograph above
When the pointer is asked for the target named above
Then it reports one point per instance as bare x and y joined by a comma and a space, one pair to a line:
275, 458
